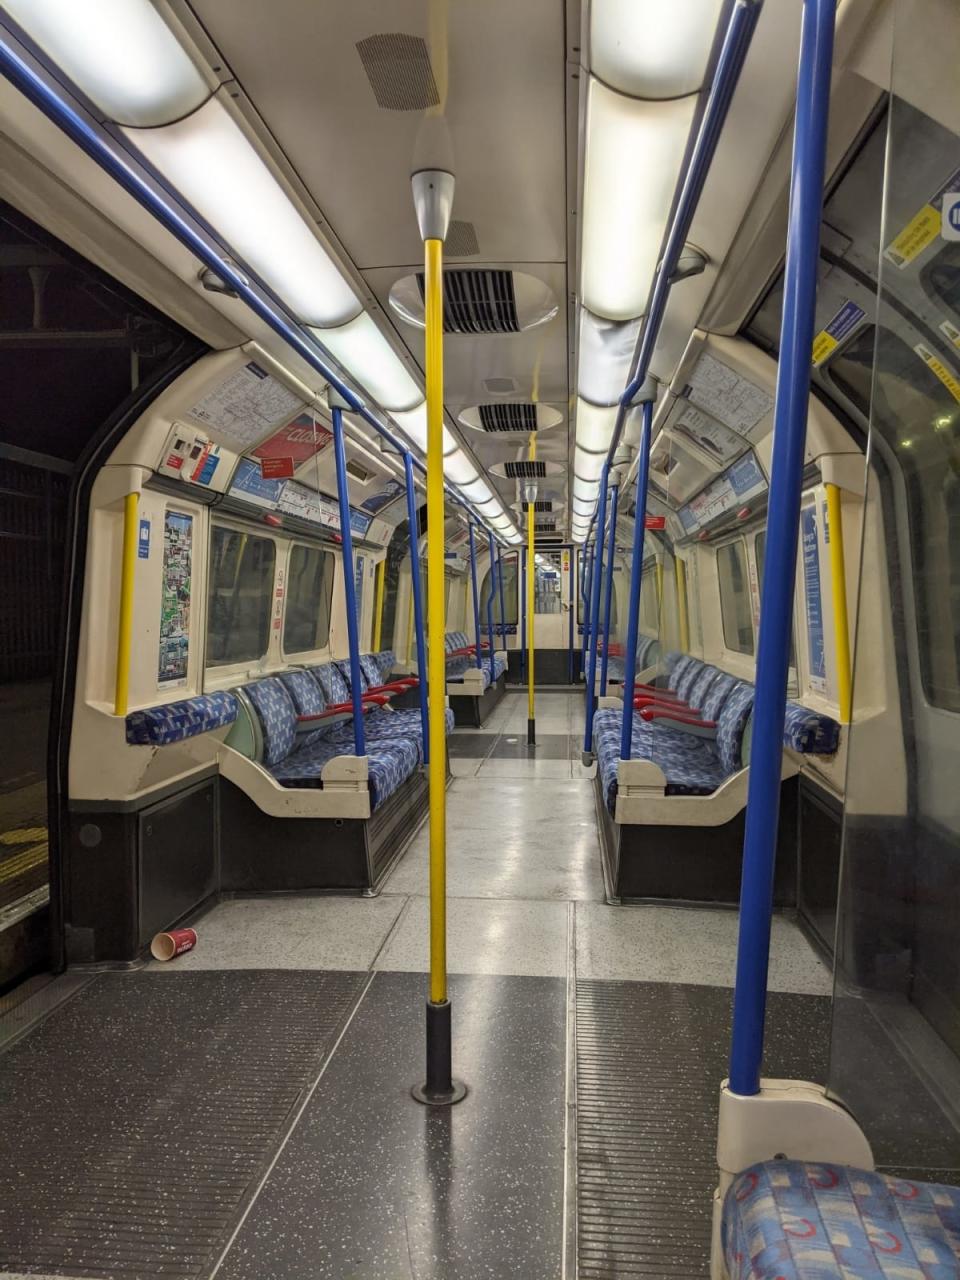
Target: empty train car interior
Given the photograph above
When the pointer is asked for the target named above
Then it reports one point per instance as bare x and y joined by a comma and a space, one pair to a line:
479, 639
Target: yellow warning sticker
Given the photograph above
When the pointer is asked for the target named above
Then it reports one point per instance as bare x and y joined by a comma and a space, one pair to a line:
940, 369
950, 332
839, 328
922, 229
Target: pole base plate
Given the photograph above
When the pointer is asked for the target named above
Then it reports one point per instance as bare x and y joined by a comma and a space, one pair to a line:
442, 1097
586, 759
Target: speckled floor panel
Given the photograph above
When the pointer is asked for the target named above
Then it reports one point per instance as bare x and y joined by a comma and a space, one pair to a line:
136, 1119
650, 1058
371, 1184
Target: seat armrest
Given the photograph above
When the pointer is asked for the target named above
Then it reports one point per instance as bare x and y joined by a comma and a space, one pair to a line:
690, 723
395, 686
669, 704
375, 698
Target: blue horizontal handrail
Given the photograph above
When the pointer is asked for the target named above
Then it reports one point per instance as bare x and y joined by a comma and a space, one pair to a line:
90, 140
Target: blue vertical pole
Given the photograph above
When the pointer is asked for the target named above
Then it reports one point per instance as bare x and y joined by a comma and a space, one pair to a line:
476, 593
608, 593
572, 609
490, 633
349, 584
585, 578
636, 580
780, 561
523, 616
414, 524
503, 611
596, 576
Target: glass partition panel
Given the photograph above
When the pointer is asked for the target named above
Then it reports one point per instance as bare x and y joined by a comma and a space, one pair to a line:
896, 1015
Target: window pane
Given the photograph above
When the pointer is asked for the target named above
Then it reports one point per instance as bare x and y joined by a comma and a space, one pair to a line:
735, 597
306, 623
920, 420
509, 595
548, 585
240, 596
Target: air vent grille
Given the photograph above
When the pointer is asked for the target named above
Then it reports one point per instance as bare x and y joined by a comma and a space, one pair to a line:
550, 527
398, 68
359, 473
542, 505
461, 241
477, 301
508, 417
525, 470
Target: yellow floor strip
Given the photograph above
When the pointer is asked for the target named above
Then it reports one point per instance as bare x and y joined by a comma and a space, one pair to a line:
23, 835
23, 862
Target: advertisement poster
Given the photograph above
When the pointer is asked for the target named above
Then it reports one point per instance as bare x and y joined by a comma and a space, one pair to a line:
812, 601
300, 439
391, 491
175, 599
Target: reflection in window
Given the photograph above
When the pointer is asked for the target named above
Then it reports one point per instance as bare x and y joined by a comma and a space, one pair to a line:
548, 585
509, 567
920, 420
649, 604
735, 607
240, 596
306, 624
940, 279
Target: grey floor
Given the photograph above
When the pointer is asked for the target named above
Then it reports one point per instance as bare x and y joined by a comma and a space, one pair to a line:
365, 1183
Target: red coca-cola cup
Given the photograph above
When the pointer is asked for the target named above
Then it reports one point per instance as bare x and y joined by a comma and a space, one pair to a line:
173, 943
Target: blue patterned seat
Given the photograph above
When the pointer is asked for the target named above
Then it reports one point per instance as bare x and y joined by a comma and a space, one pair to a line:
386, 722
787, 1220
393, 754
809, 732
692, 766
174, 721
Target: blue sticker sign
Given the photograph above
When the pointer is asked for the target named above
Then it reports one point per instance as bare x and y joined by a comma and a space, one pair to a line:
249, 484
390, 492
143, 540
812, 599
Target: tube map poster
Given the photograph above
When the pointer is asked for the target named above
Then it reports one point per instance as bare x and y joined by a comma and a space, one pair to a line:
175, 599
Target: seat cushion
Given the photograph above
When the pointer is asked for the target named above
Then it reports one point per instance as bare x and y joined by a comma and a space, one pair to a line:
343, 666
386, 660
683, 681
332, 682
730, 726
278, 717
810, 732
786, 1220
174, 721
717, 694
690, 764
389, 761
371, 669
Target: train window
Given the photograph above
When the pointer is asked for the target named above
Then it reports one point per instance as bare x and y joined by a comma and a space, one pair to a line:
649, 604
306, 623
509, 595
735, 607
940, 280
240, 596
919, 417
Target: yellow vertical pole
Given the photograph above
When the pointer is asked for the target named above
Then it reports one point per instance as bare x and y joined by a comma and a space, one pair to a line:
683, 614
531, 599
128, 567
378, 604
436, 657
838, 586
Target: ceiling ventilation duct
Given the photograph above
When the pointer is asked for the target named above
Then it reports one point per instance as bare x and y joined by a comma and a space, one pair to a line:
398, 68
512, 416
479, 300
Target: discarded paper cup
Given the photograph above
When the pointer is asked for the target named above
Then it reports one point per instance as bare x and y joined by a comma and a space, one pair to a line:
166, 946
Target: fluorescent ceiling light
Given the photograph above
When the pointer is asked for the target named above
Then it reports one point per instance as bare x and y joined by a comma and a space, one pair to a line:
413, 423
208, 160
367, 356
604, 357
588, 466
478, 493
652, 48
458, 468
120, 53
501, 522
585, 490
633, 156
595, 426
